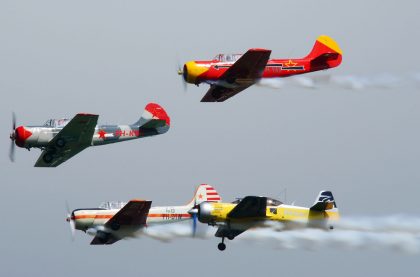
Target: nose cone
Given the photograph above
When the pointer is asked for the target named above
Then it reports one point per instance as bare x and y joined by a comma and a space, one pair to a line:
21, 135
193, 71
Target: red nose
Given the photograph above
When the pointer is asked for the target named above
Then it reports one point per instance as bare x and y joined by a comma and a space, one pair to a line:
21, 135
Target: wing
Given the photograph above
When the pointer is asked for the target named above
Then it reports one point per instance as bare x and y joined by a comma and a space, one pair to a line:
73, 138
243, 73
226, 232
102, 238
220, 94
133, 214
249, 207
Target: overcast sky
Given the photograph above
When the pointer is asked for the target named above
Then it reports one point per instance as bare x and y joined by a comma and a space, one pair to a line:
58, 58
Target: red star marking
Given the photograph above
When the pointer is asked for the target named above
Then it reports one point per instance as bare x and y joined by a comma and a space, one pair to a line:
290, 63
200, 196
102, 134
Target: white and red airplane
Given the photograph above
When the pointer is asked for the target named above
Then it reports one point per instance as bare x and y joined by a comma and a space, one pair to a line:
114, 221
61, 139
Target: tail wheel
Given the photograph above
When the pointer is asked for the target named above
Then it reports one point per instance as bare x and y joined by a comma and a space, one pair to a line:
221, 246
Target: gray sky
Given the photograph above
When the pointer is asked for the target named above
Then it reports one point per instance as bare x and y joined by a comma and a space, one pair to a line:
113, 57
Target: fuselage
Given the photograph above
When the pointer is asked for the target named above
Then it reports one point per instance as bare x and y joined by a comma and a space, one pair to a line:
196, 72
96, 218
290, 216
326, 53
40, 136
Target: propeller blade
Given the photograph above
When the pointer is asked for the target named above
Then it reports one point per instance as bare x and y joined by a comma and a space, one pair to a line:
13, 121
68, 207
180, 71
12, 151
193, 212
194, 226
71, 222
72, 229
13, 138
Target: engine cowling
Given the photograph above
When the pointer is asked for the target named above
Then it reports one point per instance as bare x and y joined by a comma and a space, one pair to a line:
204, 212
192, 72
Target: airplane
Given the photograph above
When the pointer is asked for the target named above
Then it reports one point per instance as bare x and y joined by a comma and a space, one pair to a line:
229, 74
234, 218
114, 221
61, 139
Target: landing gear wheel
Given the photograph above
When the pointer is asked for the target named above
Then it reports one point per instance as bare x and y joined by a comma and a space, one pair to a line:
60, 143
221, 246
115, 226
331, 227
48, 158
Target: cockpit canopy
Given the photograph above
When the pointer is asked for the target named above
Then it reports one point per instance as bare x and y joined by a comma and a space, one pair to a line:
227, 57
270, 201
57, 123
112, 205
273, 202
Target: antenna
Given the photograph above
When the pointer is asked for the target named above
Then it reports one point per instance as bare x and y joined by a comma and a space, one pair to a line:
284, 192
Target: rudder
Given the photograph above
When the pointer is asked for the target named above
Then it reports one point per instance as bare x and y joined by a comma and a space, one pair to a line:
204, 193
326, 53
154, 117
325, 201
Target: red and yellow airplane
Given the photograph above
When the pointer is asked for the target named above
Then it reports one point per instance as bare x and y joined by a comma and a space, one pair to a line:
232, 219
229, 74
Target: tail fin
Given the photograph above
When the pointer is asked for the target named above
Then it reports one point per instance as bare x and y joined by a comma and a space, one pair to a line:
325, 201
325, 54
204, 193
154, 117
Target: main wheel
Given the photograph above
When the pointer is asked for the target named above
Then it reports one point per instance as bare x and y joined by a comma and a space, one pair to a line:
115, 226
221, 246
48, 157
60, 143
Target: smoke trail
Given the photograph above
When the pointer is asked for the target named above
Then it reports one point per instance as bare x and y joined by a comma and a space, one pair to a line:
275, 83
392, 223
350, 82
394, 233
314, 239
169, 232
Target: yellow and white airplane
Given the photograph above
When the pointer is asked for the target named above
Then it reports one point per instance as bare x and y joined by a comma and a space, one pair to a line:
113, 221
234, 218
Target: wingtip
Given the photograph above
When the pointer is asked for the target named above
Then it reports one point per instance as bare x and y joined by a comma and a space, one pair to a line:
259, 50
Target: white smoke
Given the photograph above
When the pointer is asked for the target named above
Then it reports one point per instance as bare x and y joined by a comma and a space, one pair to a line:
315, 239
350, 82
399, 233
169, 232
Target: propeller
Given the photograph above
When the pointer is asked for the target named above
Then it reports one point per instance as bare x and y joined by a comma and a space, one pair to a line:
194, 226
180, 71
70, 220
194, 214
12, 138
